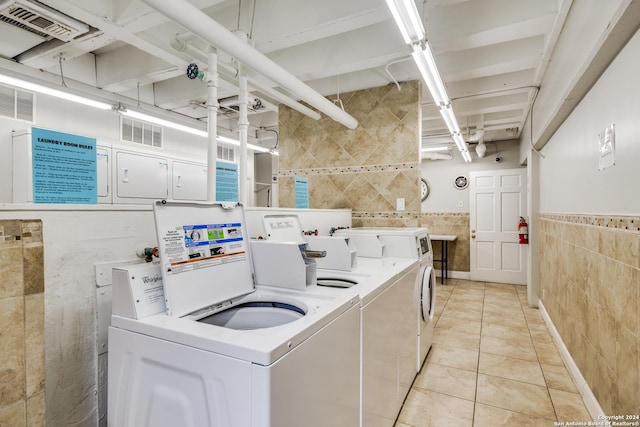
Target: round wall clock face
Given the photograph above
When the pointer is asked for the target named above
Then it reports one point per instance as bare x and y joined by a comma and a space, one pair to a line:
461, 182
424, 189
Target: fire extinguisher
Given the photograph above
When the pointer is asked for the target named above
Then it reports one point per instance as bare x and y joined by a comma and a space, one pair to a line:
523, 231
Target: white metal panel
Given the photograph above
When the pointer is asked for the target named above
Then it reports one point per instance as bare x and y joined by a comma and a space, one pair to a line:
140, 176
158, 383
315, 385
188, 181
379, 360
103, 170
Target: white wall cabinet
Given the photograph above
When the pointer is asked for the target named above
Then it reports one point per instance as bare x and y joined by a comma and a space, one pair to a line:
188, 181
140, 176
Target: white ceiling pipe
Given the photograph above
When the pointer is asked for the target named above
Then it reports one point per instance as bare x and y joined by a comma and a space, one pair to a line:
197, 22
212, 122
179, 44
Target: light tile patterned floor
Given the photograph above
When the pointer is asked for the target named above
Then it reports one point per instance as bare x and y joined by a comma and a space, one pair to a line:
493, 363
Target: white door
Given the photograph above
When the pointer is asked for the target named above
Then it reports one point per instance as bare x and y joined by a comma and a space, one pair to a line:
497, 200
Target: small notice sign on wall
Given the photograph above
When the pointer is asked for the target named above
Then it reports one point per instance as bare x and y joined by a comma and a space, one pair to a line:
302, 191
226, 182
607, 147
64, 168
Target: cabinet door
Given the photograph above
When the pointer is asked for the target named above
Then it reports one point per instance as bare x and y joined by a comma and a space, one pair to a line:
141, 176
189, 181
103, 162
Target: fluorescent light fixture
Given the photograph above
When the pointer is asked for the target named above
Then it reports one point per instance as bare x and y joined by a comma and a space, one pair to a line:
436, 148
450, 119
22, 84
407, 19
427, 67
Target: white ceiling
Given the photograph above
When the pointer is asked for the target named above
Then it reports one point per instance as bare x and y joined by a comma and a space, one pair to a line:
492, 54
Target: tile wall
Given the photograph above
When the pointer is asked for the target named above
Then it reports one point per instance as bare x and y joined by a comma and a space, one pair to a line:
590, 286
456, 224
366, 169
22, 362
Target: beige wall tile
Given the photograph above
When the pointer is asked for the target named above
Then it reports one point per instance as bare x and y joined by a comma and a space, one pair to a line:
34, 344
33, 268
14, 415
598, 310
627, 360
381, 156
12, 368
12, 283
36, 411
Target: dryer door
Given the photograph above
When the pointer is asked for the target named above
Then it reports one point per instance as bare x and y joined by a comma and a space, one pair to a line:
428, 294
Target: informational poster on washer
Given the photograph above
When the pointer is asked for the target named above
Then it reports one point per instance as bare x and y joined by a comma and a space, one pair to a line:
190, 247
64, 168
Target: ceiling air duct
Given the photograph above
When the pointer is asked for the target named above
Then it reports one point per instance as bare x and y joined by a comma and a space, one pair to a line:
41, 20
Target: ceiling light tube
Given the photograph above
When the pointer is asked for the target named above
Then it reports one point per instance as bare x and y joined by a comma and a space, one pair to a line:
249, 146
407, 19
22, 84
436, 148
450, 120
427, 66
163, 122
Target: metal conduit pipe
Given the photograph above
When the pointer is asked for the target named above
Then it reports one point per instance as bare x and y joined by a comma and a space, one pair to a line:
179, 44
197, 22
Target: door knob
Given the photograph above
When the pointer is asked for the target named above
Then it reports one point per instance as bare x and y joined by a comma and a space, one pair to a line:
473, 236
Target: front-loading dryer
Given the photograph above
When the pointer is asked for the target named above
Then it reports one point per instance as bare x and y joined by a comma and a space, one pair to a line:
228, 352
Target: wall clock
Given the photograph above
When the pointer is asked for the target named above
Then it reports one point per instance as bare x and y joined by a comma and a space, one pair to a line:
461, 182
424, 189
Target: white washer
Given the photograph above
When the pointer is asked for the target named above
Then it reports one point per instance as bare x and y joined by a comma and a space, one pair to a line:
387, 338
412, 243
229, 353
387, 335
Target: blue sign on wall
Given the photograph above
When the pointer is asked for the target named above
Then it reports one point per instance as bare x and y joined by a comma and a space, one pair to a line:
226, 182
64, 168
302, 191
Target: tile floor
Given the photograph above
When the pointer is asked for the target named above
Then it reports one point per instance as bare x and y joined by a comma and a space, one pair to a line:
492, 363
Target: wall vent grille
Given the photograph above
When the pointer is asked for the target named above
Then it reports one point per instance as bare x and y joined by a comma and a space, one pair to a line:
16, 104
41, 20
140, 132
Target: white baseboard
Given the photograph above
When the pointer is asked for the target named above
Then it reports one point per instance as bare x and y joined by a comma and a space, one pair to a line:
589, 399
455, 274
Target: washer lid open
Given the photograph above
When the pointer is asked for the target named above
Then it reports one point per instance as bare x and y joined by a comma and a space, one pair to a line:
204, 252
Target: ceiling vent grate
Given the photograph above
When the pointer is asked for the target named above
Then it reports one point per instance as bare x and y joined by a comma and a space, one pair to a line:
40, 19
